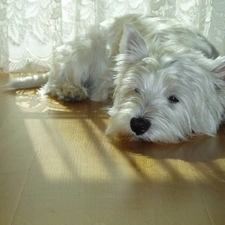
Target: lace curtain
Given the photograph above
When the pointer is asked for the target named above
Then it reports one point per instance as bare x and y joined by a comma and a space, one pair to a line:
31, 29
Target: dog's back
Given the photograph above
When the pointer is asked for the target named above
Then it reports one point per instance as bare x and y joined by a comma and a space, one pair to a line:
162, 35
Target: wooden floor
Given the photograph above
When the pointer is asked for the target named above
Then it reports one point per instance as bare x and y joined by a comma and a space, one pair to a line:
58, 168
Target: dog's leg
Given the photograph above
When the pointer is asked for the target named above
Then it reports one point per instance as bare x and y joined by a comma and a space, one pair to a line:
71, 92
78, 67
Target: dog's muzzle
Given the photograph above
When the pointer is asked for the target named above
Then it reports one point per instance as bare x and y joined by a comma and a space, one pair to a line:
139, 125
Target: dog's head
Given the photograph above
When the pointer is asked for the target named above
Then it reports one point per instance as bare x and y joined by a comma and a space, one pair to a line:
165, 97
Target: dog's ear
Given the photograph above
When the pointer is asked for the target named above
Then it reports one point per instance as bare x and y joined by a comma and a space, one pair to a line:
220, 68
219, 72
132, 44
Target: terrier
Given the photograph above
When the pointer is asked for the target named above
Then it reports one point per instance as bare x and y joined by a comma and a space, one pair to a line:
165, 79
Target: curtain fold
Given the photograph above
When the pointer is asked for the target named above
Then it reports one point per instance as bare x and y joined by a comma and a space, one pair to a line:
30, 30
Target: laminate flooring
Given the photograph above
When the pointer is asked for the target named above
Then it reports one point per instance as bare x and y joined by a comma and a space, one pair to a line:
57, 167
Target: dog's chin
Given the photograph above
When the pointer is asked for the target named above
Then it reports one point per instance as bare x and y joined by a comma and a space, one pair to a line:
119, 128
120, 132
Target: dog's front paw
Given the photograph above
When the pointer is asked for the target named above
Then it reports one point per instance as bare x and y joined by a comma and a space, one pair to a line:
71, 93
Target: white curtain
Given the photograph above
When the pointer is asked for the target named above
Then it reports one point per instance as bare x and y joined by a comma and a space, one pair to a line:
31, 29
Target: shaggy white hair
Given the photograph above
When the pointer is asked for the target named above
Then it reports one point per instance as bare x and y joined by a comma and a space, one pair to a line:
166, 80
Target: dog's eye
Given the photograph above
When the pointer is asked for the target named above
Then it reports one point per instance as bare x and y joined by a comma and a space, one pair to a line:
173, 99
137, 90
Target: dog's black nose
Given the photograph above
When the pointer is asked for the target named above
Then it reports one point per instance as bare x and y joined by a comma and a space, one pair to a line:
139, 125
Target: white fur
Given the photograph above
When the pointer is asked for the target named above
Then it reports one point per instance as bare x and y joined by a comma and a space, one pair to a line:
166, 80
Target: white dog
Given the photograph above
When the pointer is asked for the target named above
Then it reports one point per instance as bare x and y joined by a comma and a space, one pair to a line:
167, 82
